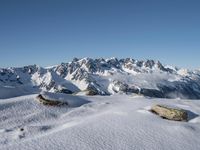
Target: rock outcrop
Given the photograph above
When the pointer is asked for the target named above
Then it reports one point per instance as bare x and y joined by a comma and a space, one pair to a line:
49, 102
170, 113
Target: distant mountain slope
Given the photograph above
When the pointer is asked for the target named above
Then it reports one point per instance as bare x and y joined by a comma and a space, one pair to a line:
102, 77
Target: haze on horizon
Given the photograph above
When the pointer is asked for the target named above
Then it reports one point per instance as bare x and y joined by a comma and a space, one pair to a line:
49, 32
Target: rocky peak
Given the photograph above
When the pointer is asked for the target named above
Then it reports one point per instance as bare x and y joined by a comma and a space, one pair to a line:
31, 69
98, 75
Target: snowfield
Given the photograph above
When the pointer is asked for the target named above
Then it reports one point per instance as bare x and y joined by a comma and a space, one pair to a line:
117, 122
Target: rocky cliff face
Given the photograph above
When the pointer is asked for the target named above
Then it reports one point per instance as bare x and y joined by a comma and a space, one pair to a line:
105, 77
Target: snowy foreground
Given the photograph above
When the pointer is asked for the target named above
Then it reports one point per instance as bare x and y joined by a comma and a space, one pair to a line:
117, 122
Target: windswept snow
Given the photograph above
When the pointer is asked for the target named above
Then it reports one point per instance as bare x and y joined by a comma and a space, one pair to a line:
117, 122
72, 101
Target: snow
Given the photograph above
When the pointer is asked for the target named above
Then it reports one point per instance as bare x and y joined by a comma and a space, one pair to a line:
73, 101
99, 122
183, 72
12, 91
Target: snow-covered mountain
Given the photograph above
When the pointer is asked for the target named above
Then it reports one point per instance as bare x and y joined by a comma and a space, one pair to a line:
102, 77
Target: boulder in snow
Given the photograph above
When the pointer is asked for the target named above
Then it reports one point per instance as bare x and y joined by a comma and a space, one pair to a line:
170, 113
50, 102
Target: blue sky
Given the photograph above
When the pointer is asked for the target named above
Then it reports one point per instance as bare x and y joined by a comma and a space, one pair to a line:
48, 32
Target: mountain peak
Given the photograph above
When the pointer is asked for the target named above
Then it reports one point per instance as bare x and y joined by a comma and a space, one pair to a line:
104, 77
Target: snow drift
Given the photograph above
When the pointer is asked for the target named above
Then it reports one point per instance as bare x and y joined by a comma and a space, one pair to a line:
106, 123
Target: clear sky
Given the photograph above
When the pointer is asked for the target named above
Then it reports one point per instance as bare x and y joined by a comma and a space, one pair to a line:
48, 32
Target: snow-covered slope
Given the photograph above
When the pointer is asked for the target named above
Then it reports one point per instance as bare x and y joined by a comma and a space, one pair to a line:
117, 122
102, 77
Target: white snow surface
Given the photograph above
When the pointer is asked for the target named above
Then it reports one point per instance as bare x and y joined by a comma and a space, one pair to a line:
117, 122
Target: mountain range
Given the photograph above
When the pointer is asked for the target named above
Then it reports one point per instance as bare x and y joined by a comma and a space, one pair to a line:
89, 76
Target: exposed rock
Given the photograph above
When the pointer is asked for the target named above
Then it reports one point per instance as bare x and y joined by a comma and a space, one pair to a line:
91, 92
149, 63
167, 112
49, 102
119, 86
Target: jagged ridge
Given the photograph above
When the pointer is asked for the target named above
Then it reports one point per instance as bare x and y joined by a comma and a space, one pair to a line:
103, 77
